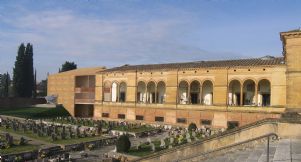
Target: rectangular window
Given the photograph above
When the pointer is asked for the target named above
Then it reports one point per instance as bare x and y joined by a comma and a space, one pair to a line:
205, 122
159, 119
181, 120
105, 115
139, 117
232, 124
121, 116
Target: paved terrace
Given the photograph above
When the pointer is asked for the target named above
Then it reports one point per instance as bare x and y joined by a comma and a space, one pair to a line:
284, 150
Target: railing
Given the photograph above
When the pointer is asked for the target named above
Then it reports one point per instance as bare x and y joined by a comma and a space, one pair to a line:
84, 90
269, 136
84, 101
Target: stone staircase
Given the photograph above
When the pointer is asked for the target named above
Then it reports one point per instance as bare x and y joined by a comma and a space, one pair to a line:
284, 150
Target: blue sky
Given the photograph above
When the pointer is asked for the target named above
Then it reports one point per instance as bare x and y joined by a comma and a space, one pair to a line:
112, 33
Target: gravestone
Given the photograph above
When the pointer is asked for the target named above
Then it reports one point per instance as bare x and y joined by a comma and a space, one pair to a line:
153, 147
149, 140
188, 137
194, 135
162, 145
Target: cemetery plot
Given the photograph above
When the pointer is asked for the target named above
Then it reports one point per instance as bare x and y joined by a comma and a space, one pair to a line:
107, 125
10, 145
57, 134
175, 137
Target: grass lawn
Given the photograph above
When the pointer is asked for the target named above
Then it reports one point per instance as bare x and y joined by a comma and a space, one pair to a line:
35, 112
145, 149
48, 139
17, 149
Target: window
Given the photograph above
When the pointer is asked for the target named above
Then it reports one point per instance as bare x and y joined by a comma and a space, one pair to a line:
139, 117
122, 97
205, 122
159, 119
232, 124
121, 116
122, 92
105, 115
181, 120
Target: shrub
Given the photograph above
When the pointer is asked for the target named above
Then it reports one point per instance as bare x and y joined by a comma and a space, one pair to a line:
192, 127
22, 141
123, 144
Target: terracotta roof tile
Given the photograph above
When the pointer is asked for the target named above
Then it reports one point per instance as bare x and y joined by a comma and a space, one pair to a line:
267, 60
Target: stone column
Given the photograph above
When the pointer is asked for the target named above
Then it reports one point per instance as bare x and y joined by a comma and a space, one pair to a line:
156, 94
188, 95
256, 94
241, 95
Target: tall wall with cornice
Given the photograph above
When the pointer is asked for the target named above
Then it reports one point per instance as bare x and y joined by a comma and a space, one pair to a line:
292, 52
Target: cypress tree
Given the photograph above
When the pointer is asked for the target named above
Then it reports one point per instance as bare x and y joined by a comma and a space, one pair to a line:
6, 85
23, 81
35, 84
28, 71
18, 73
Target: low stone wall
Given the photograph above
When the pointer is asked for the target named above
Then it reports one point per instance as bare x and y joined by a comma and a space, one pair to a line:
96, 144
283, 128
57, 150
26, 156
12, 102
32, 155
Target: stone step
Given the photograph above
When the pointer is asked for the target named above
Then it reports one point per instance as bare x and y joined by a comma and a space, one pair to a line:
255, 154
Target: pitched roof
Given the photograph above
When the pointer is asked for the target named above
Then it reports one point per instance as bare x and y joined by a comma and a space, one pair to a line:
82, 71
295, 30
263, 61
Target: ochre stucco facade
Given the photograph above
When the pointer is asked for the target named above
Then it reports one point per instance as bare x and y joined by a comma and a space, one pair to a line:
210, 93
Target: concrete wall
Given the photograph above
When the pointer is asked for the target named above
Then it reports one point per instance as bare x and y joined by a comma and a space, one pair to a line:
284, 130
63, 85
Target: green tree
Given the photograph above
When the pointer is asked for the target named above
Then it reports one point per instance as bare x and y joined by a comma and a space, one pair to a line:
23, 79
4, 85
68, 66
35, 84
28, 71
18, 73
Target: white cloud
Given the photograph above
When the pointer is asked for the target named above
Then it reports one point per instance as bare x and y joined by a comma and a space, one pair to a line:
60, 35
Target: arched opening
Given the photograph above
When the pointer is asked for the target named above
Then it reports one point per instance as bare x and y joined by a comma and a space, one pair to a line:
234, 93
249, 92
107, 92
122, 92
264, 93
195, 89
161, 88
207, 96
114, 92
151, 92
183, 92
141, 92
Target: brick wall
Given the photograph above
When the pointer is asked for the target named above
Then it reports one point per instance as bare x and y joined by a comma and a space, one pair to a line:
20, 102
